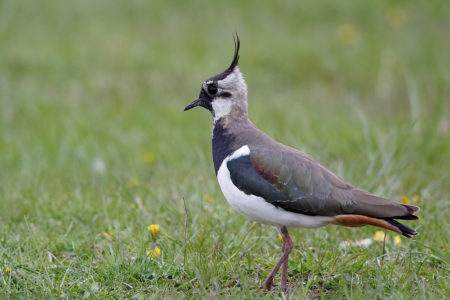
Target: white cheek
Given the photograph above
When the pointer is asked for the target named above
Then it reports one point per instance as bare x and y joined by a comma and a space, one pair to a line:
221, 107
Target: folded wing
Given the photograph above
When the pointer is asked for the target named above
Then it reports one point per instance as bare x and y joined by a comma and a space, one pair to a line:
296, 182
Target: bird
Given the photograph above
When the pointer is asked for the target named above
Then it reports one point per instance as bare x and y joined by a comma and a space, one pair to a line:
277, 185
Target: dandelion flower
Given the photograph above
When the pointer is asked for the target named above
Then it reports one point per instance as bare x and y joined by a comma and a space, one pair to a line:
379, 236
207, 198
280, 237
396, 17
415, 198
8, 271
108, 235
346, 33
154, 253
153, 229
149, 157
405, 200
132, 181
397, 240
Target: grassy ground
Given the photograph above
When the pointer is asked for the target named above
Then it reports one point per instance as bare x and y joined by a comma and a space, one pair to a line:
94, 145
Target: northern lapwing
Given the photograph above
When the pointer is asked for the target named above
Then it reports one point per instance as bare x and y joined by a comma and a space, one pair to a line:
274, 184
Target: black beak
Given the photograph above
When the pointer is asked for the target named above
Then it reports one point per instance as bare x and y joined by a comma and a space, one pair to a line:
203, 100
193, 104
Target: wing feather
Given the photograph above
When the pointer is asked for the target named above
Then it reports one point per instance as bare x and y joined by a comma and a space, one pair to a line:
296, 182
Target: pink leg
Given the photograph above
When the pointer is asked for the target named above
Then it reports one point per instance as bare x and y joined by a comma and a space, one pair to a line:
284, 269
284, 274
287, 248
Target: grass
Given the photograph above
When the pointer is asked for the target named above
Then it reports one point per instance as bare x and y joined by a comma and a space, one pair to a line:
95, 146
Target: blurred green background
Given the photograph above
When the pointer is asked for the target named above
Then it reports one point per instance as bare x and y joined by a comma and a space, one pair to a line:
95, 146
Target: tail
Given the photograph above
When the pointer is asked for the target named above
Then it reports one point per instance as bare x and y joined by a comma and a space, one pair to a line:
405, 230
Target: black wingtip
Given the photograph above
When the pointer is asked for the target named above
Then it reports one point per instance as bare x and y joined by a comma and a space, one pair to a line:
237, 45
411, 208
405, 230
408, 217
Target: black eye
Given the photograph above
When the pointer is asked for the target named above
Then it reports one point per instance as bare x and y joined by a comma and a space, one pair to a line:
212, 89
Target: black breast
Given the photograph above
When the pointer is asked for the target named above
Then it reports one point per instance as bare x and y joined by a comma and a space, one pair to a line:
221, 145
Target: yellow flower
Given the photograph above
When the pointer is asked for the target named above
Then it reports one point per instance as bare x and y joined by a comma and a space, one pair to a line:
153, 229
280, 237
108, 235
405, 200
207, 198
379, 236
132, 182
416, 198
8, 271
149, 157
154, 253
346, 33
395, 16
397, 239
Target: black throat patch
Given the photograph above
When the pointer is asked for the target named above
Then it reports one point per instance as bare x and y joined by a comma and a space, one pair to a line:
221, 144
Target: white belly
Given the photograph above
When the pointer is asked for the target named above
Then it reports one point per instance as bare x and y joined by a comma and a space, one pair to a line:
256, 208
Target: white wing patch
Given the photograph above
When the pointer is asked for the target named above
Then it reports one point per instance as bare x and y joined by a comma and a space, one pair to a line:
256, 208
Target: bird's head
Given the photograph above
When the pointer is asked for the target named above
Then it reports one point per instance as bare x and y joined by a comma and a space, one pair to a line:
224, 94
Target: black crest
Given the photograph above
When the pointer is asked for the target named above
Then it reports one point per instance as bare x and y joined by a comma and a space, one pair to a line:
234, 63
237, 45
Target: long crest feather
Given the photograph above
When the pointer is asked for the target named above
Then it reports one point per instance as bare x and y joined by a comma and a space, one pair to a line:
234, 63
237, 45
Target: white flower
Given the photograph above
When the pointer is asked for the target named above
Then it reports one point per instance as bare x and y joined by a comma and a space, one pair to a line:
98, 165
365, 243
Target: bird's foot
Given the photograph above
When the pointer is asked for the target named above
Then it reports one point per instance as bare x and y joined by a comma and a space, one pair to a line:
268, 284
284, 284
